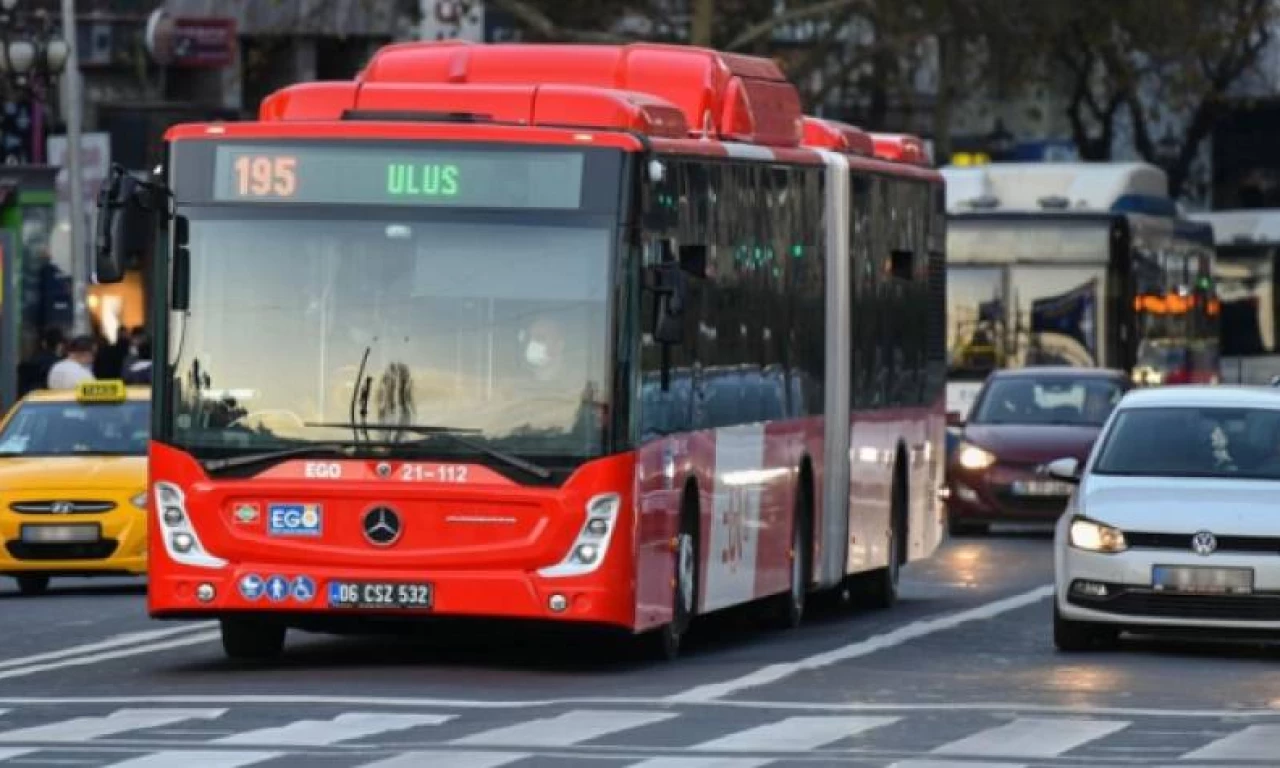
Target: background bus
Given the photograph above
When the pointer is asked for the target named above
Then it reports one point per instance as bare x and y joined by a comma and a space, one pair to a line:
1074, 264
1246, 267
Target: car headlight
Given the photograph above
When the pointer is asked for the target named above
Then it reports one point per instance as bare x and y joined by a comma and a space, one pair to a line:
971, 456
1096, 537
139, 500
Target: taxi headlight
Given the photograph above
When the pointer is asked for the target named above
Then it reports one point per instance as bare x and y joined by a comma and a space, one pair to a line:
139, 500
971, 456
1096, 537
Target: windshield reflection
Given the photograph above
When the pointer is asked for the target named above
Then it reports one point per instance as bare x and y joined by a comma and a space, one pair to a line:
496, 328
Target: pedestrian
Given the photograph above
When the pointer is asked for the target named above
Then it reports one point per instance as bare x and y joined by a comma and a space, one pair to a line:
34, 373
137, 367
76, 367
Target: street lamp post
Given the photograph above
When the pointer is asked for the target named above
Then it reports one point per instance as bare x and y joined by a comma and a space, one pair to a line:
34, 54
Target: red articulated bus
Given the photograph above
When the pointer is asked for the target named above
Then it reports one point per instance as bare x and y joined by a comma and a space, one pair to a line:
600, 334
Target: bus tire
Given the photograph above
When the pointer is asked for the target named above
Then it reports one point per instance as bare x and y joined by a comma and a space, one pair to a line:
789, 611
878, 590
252, 639
32, 585
665, 644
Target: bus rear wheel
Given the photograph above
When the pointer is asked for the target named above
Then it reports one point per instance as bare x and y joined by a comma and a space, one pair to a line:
879, 589
790, 608
252, 639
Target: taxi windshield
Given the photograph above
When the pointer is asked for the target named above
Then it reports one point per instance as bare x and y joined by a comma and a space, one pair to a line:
71, 428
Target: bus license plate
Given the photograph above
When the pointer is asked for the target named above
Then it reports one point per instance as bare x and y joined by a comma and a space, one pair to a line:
61, 534
1202, 581
377, 594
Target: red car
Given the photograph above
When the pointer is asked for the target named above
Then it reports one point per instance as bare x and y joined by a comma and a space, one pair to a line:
1021, 420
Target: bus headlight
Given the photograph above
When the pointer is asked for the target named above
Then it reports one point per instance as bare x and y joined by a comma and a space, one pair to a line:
179, 536
589, 548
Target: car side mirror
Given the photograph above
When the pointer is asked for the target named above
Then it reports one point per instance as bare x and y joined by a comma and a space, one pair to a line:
1066, 469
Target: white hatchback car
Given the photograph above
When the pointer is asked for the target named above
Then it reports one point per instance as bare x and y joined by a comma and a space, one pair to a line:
1175, 522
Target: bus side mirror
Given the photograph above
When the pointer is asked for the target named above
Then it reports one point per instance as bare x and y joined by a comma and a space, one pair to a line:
671, 290
180, 287
125, 227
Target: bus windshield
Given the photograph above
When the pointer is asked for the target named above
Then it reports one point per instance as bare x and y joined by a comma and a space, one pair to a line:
496, 328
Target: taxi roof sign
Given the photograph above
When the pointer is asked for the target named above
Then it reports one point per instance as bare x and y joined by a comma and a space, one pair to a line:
105, 391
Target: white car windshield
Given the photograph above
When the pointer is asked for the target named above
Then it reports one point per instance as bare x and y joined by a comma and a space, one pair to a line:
1193, 442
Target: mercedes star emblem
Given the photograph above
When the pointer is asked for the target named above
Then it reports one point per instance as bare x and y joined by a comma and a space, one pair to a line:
382, 526
1204, 543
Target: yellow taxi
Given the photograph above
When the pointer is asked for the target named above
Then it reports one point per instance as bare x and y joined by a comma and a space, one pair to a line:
73, 479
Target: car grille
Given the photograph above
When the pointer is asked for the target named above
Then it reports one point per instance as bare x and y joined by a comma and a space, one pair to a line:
62, 507
93, 550
1032, 505
1182, 541
1264, 607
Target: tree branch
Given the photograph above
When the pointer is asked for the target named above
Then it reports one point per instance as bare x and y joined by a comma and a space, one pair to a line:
541, 25
759, 30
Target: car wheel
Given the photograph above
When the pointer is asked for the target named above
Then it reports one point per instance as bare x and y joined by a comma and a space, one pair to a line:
33, 585
964, 528
252, 639
1075, 636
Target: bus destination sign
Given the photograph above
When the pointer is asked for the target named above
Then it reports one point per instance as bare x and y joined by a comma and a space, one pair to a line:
419, 176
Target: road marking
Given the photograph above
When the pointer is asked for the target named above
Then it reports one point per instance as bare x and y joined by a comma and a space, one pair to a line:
794, 734
120, 721
109, 655
1257, 742
344, 727
126, 639
451, 759
191, 758
564, 730
7, 754
1031, 737
913, 631
952, 764
702, 762
400, 702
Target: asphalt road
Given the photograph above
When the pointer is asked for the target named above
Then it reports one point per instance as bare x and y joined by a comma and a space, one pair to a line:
961, 673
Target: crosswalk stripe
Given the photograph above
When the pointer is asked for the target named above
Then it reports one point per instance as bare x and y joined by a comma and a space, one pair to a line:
1032, 737
120, 721
1257, 742
564, 730
6, 754
344, 727
193, 758
794, 734
952, 764
451, 759
702, 762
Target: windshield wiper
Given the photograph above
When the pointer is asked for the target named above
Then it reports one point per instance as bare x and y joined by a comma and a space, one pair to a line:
457, 435
360, 393
322, 449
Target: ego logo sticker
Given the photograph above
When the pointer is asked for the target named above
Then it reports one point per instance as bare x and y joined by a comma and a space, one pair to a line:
295, 520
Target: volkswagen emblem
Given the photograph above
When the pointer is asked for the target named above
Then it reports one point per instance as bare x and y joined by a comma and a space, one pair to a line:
62, 507
382, 526
1204, 543
384, 469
